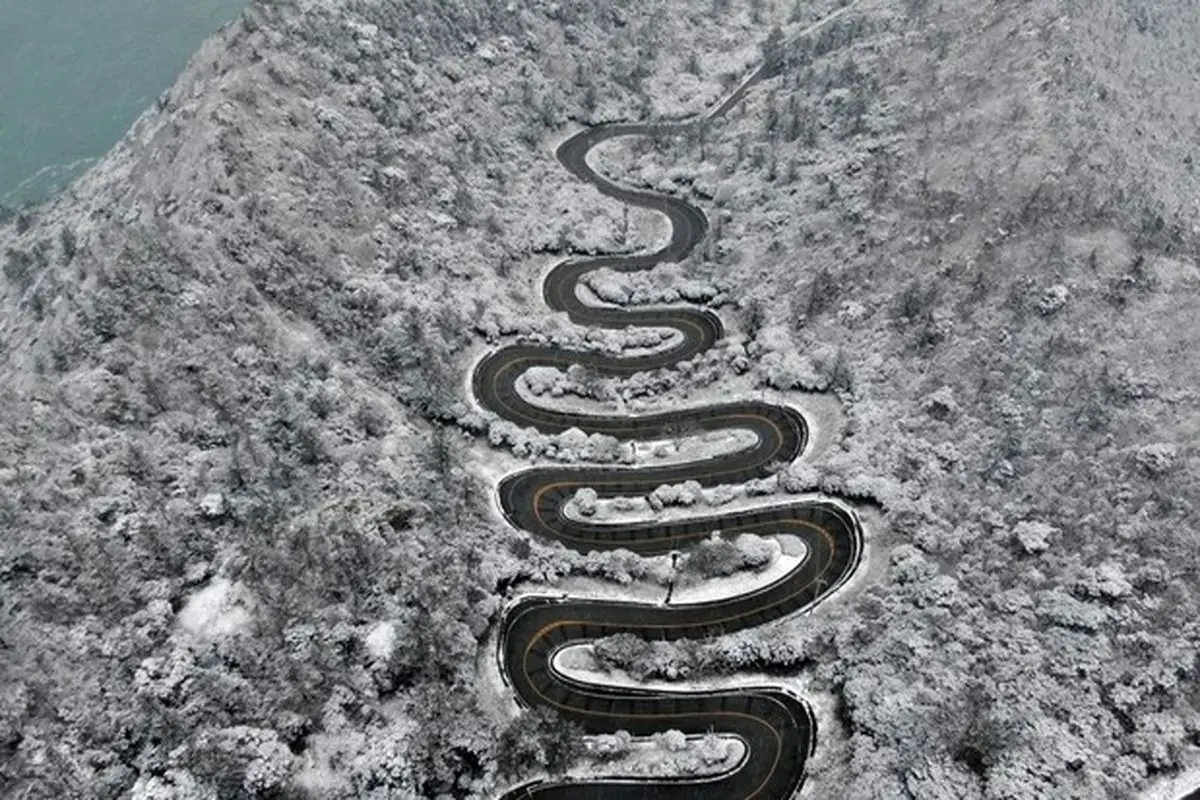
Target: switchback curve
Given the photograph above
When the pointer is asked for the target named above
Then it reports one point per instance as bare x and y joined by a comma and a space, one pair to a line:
778, 729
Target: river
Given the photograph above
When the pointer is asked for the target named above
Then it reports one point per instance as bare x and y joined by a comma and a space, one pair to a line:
77, 73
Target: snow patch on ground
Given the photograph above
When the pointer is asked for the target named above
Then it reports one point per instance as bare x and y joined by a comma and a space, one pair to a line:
380, 641
1176, 787
658, 756
698, 447
220, 609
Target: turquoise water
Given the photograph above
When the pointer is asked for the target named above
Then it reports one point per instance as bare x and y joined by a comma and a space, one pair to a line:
75, 74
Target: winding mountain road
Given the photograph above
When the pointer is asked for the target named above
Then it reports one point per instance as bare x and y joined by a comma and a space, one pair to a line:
778, 728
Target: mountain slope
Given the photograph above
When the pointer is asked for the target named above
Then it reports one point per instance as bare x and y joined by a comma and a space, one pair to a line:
983, 219
249, 550
240, 546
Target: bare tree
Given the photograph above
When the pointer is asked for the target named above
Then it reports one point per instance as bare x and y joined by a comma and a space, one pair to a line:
680, 428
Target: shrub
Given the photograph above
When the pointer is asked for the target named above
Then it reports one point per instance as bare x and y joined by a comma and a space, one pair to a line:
538, 739
18, 268
608, 747
977, 734
681, 494
619, 651
823, 292
716, 557
1156, 459
585, 501
66, 238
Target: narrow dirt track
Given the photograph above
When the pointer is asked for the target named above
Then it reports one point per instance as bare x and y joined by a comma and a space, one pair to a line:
778, 728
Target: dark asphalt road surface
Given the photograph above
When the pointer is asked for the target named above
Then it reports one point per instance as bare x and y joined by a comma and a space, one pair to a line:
779, 729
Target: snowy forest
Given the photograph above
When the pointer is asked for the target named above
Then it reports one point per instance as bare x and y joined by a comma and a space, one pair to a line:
251, 548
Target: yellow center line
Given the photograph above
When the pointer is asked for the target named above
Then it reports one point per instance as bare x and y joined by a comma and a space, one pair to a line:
775, 733
833, 550
547, 629
563, 293
633, 478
